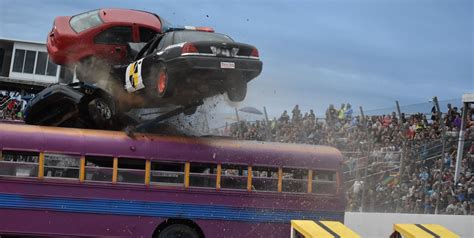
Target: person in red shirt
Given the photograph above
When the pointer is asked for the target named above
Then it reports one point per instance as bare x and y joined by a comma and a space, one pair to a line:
10, 105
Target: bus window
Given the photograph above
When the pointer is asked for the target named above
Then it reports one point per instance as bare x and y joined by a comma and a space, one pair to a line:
61, 165
264, 179
234, 176
203, 175
99, 168
167, 173
295, 180
324, 182
19, 164
131, 170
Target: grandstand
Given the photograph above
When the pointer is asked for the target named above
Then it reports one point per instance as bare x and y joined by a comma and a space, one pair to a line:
393, 160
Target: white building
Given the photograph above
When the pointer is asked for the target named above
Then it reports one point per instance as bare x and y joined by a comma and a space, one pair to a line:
25, 66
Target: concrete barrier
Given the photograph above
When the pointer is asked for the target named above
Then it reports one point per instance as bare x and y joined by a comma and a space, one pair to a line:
379, 225
320, 229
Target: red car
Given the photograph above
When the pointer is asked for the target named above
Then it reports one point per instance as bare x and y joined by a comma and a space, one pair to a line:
100, 34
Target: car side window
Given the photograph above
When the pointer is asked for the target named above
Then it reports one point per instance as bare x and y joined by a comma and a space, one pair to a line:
146, 34
166, 41
149, 47
169, 40
115, 35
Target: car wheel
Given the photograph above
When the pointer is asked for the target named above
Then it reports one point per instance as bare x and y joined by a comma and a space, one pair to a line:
101, 112
237, 91
178, 231
163, 83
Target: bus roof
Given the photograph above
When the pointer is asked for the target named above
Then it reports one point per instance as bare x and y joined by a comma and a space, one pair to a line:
167, 148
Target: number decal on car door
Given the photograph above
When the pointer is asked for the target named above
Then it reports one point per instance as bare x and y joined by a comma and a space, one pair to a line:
133, 77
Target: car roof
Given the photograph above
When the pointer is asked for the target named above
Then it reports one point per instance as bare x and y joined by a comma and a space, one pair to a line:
130, 16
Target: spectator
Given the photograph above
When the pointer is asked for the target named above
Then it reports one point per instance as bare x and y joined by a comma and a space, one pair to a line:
331, 115
296, 114
342, 112
423, 184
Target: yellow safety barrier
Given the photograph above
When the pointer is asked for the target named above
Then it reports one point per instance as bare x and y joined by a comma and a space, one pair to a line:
320, 229
421, 231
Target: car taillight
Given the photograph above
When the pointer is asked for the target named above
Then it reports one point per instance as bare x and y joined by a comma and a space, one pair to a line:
199, 28
189, 48
254, 53
205, 29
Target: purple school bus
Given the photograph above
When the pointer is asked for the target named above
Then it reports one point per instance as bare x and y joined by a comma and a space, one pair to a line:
88, 183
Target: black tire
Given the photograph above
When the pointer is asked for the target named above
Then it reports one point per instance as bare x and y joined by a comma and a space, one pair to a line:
237, 91
160, 82
101, 112
178, 231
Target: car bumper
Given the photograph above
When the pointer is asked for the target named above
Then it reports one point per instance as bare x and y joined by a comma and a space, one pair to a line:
215, 68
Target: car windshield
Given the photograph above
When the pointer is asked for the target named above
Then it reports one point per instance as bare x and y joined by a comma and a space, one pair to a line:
185, 36
85, 21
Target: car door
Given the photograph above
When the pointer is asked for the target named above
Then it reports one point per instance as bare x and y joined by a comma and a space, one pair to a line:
111, 44
142, 66
146, 34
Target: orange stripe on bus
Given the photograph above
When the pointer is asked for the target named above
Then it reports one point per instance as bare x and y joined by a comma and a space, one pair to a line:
218, 178
280, 179
249, 178
115, 170
41, 165
82, 168
147, 172
187, 169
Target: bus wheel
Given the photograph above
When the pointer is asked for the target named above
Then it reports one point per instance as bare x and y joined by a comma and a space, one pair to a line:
178, 231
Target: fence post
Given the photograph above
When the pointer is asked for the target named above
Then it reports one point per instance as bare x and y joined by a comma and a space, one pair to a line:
401, 171
443, 140
239, 128
466, 106
364, 186
268, 126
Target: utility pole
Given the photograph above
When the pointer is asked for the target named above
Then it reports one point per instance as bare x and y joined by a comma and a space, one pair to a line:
443, 140
239, 127
364, 185
401, 128
237, 115
467, 99
267, 127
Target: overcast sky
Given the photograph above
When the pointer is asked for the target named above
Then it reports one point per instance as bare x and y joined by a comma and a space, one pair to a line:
366, 52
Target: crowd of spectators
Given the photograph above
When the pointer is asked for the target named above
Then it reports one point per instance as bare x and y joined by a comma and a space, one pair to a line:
11, 106
381, 144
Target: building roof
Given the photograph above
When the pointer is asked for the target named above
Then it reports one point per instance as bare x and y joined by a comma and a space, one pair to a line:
24, 41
